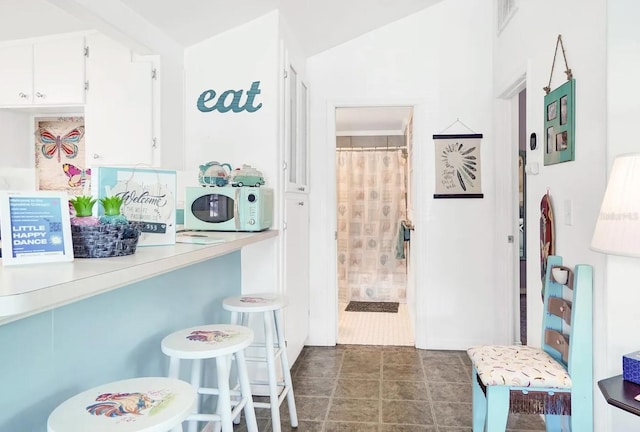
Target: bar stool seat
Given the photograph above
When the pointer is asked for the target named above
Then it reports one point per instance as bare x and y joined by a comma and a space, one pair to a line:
155, 404
271, 307
220, 342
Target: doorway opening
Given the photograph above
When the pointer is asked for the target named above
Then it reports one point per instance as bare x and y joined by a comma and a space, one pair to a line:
373, 148
522, 212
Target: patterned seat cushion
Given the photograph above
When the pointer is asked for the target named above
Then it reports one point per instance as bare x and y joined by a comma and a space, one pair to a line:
518, 366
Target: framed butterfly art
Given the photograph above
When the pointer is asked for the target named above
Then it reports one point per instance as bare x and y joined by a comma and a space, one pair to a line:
53, 145
60, 154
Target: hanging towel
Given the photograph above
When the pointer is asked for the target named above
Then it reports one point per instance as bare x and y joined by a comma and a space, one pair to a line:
404, 234
407, 231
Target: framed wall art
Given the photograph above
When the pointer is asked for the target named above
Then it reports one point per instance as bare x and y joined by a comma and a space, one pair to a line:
60, 154
559, 124
148, 196
457, 159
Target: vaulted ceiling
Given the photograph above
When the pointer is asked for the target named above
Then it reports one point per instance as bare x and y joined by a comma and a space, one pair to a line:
317, 24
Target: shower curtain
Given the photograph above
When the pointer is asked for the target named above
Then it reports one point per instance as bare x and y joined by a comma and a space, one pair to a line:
371, 190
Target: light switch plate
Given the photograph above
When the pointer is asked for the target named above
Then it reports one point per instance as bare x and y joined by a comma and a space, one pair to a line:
568, 212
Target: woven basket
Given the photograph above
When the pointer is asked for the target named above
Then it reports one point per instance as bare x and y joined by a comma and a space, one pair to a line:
103, 241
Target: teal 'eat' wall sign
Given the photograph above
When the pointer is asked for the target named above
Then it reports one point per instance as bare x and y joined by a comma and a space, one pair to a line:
230, 100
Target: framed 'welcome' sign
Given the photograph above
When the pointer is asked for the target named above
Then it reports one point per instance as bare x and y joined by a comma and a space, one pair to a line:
35, 227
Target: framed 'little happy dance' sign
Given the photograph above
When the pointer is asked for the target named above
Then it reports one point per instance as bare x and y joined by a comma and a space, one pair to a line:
35, 227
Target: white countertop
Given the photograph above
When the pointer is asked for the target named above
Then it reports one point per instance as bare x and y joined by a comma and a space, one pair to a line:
32, 288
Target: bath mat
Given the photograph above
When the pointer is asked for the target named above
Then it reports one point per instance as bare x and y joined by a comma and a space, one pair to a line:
356, 306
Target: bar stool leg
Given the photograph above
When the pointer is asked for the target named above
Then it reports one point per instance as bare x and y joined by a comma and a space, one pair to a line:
174, 367
224, 396
196, 375
269, 326
245, 387
234, 318
174, 372
286, 371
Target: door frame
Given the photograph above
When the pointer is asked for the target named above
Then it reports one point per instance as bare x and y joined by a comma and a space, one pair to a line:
331, 313
507, 202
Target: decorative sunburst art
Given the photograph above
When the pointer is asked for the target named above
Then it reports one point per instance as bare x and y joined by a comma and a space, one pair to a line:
458, 166
462, 160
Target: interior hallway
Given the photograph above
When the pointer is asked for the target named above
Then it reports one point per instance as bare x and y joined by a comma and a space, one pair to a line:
358, 388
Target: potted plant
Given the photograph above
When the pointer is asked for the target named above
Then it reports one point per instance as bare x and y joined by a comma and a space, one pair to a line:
112, 213
83, 207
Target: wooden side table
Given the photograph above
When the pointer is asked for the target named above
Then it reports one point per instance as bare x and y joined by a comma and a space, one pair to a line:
621, 393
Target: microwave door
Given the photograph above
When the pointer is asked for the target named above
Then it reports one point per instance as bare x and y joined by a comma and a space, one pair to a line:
217, 208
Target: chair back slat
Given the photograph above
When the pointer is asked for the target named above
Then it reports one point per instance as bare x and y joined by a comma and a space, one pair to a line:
559, 341
560, 308
570, 276
554, 292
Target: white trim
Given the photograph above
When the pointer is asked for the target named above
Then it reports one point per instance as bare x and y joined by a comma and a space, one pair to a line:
515, 86
503, 20
371, 132
506, 205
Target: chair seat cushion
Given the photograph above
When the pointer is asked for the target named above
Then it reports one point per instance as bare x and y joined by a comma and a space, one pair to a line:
520, 366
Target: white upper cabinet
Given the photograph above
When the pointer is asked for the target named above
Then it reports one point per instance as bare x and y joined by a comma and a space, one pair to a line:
296, 131
43, 73
120, 105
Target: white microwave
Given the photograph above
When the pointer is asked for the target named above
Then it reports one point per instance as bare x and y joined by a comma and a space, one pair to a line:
228, 208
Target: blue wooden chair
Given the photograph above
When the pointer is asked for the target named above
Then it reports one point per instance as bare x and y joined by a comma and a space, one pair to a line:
557, 380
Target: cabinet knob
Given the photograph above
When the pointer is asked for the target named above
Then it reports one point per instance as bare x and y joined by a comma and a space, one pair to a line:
300, 203
23, 95
301, 188
41, 95
96, 156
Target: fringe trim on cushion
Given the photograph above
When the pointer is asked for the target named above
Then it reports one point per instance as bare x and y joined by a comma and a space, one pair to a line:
536, 402
540, 402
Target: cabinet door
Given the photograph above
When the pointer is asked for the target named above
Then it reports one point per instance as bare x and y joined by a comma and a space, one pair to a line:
15, 75
296, 273
119, 108
59, 72
296, 132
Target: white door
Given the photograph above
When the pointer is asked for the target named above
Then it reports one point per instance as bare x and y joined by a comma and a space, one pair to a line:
59, 72
296, 271
16, 65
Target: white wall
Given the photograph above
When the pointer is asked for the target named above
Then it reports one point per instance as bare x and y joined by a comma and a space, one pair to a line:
233, 60
621, 288
527, 46
442, 66
15, 126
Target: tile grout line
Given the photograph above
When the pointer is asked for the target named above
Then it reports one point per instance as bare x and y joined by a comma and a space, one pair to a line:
426, 383
333, 392
381, 378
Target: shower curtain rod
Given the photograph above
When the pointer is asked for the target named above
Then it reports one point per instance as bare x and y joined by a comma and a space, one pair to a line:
377, 148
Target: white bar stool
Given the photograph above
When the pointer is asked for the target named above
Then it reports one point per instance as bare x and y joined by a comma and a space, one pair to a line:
270, 306
219, 341
155, 404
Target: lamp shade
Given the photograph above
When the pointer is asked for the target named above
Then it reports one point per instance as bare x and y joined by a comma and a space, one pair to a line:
618, 228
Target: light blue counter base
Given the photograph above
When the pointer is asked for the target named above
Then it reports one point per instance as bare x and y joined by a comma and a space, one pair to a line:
49, 357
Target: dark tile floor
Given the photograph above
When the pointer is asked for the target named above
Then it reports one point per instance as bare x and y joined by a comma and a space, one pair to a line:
359, 388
